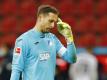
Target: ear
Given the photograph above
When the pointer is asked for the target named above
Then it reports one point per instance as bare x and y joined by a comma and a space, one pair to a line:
41, 16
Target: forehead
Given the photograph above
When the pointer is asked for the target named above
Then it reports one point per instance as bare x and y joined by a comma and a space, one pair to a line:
52, 16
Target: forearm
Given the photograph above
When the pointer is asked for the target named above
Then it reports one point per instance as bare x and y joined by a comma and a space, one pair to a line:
15, 74
70, 54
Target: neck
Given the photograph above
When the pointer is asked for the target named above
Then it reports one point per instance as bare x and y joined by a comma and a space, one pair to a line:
37, 27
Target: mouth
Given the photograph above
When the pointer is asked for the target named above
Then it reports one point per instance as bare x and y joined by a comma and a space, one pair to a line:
48, 29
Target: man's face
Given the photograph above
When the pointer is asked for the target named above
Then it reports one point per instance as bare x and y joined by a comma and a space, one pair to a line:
48, 21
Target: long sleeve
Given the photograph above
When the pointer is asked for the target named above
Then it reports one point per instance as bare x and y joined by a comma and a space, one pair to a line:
15, 75
69, 53
18, 59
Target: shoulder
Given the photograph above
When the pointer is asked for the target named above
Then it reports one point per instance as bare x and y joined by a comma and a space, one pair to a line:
24, 36
52, 35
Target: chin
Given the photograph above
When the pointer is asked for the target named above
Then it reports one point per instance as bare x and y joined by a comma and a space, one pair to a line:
45, 31
48, 30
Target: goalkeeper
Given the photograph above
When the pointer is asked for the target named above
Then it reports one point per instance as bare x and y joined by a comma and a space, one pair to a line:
35, 51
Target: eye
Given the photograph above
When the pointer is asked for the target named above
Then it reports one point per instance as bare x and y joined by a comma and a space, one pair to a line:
51, 21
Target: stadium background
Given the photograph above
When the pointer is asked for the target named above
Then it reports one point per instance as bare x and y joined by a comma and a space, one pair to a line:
88, 19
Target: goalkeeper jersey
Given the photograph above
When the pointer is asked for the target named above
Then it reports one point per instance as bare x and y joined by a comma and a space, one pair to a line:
35, 55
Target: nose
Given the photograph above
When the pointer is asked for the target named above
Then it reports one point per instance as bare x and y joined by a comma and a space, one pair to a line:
52, 25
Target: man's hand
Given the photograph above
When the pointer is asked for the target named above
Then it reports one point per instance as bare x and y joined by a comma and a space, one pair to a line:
65, 30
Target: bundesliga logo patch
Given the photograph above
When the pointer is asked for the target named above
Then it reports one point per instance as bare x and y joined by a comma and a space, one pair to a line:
18, 50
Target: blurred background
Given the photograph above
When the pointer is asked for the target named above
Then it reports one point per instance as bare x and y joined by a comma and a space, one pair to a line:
88, 20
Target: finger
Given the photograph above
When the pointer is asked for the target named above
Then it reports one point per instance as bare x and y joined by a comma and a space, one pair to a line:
59, 20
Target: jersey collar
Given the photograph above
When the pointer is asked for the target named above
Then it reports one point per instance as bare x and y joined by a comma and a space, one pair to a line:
38, 33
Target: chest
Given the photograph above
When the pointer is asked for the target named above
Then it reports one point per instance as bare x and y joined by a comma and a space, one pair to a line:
42, 49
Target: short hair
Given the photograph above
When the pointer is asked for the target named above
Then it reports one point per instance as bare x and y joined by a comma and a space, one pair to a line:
45, 9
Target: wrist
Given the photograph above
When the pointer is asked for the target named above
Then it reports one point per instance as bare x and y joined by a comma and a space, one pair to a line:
69, 39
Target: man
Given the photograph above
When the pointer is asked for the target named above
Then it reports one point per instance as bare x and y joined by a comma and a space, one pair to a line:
86, 67
35, 51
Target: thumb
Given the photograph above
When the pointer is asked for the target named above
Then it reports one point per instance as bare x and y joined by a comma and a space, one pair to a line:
59, 20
